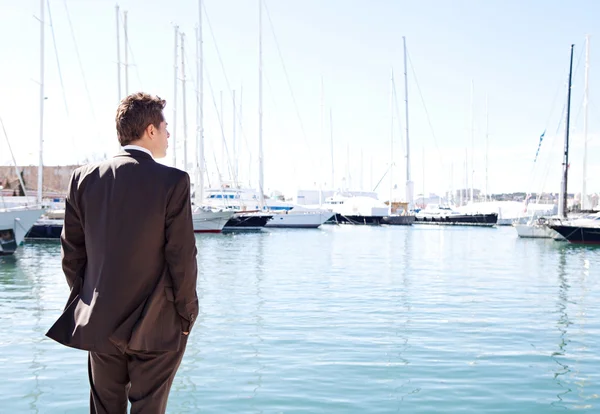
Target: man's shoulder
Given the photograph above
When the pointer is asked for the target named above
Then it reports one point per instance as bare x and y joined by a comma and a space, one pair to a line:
85, 169
171, 174
176, 173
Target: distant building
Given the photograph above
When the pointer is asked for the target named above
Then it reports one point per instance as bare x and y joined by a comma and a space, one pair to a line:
421, 200
55, 180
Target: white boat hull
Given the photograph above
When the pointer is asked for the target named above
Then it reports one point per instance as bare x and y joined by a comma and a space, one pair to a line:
535, 231
210, 221
299, 219
18, 221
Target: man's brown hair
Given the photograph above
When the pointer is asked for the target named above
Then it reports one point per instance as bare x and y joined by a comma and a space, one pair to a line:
135, 113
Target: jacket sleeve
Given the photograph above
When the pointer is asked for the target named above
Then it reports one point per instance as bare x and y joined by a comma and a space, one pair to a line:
180, 252
72, 238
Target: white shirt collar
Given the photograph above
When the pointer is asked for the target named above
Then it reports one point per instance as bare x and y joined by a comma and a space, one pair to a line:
138, 148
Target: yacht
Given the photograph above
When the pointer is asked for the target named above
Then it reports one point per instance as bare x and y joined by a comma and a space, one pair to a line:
276, 213
14, 224
444, 215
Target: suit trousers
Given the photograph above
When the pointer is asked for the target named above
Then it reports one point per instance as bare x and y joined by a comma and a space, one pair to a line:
144, 378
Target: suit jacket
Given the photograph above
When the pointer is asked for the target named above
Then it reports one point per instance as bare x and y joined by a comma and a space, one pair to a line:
129, 256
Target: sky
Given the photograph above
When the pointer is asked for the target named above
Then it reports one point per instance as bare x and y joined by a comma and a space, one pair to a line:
322, 60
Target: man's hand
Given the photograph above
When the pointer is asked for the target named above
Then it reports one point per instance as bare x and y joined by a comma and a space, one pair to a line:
185, 333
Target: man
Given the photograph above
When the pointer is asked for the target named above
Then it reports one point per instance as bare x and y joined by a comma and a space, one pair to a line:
129, 256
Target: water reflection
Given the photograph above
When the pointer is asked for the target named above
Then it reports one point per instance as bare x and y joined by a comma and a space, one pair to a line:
22, 287
402, 253
575, 263
406, 284
259, 320
8, 270
186, 381
38, 365
562, 326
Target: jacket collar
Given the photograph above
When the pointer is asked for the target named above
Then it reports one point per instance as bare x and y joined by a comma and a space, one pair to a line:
137, 154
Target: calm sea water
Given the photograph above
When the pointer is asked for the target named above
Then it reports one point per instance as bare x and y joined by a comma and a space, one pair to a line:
344, 320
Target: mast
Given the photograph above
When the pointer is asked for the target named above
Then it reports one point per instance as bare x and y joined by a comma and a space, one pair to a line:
409, 183
240, 124
260, 110
466, 176
460, 196
249, 159
486, 146
423, 177
562, 205
584, 203
175, 68
184, 106
224, 160
234, 148
472, 139
321, 136
199, 191
391, 172
126, 52
371, 175
348, 181
361, 171
119, 96
451, 199
118, 55
40, 181
331, 140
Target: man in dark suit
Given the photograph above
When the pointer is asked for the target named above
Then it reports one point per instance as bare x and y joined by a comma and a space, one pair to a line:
129, 256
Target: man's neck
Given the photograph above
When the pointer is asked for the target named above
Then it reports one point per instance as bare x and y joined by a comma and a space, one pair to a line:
138, 148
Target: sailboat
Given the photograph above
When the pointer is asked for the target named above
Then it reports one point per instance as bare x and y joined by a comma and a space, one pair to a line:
583, 230
205, 219
535, 229
16, 222
544, 228
294, 217
586, 229
220, 210
393, 218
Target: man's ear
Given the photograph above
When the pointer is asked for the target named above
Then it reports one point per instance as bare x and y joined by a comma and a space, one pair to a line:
150, 130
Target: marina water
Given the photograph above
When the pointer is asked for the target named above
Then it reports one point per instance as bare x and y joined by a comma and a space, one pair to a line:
344, 320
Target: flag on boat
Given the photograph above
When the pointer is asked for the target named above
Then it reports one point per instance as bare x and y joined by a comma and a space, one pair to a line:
539, 146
